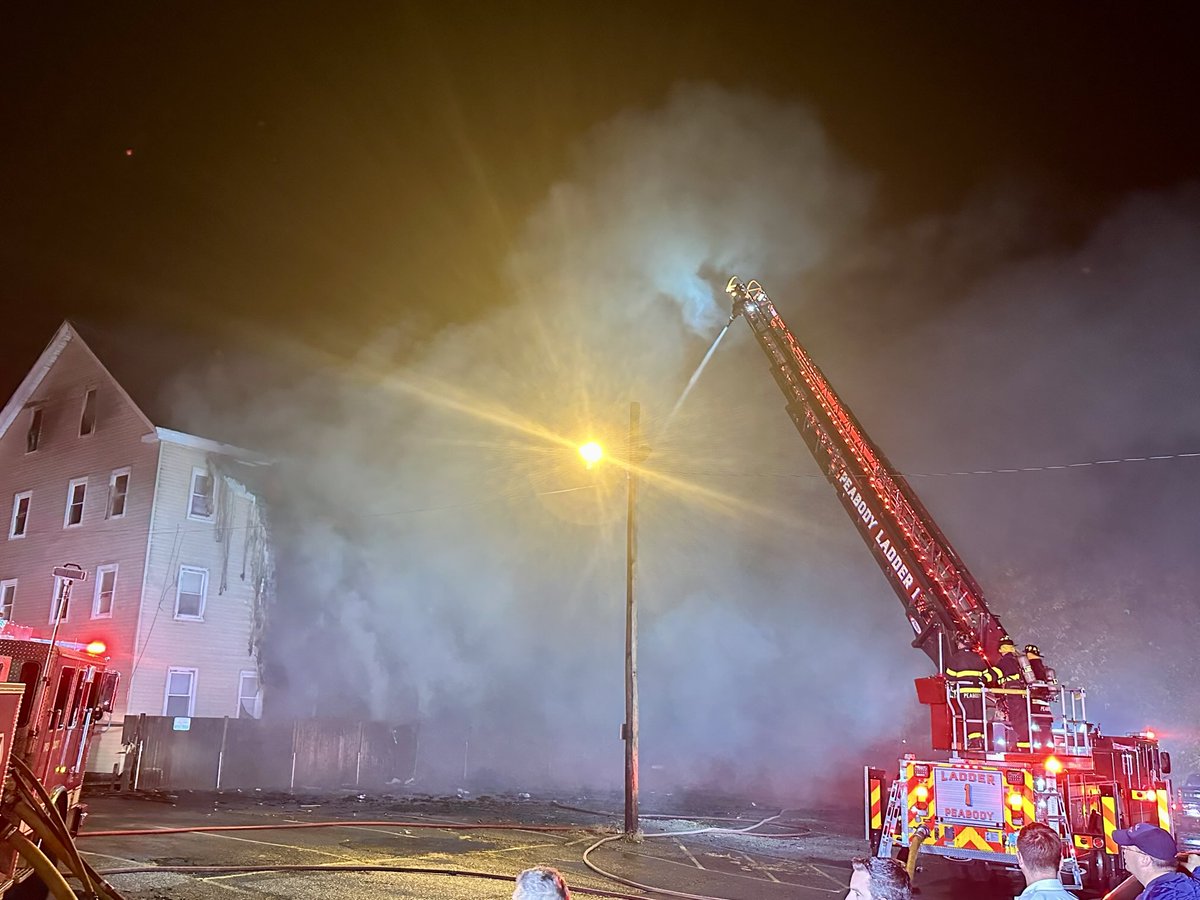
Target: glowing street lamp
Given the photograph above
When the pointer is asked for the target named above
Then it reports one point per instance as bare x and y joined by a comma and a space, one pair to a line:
591, 452
636, 453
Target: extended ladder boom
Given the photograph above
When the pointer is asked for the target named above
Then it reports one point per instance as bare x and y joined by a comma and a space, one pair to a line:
941, 599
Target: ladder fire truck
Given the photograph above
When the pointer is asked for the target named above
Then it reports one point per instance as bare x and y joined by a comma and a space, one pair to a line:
53, 694
970, 801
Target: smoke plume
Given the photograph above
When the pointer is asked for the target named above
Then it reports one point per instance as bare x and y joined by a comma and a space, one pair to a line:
445, 557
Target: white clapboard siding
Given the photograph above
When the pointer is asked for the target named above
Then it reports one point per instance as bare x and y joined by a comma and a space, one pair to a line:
148, 543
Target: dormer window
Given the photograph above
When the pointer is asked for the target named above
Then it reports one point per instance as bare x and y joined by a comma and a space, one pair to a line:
87, 419
33, 437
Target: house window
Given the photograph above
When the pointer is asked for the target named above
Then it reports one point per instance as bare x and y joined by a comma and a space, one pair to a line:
106, 587
33, 437
189, 598
87, 419
118, 491
8, 595
61, 602
76, 490
20, 515
249, 697
200, 503
180, 698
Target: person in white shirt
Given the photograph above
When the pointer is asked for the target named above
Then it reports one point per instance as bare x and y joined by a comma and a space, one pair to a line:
1039, 854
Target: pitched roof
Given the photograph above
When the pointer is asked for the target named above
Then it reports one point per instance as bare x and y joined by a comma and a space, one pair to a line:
139, 363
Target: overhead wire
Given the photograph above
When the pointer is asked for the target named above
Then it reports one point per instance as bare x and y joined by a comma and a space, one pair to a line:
695, 473
949, 474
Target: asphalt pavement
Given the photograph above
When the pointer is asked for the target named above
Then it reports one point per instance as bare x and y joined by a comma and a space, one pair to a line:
802, 855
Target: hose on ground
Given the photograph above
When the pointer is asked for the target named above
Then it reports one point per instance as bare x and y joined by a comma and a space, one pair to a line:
284, 826
667, 834
381, 823
283, 867
655, 816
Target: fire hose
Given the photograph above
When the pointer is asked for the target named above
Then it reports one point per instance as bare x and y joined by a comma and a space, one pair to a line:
366, 867
914, 849
33, 809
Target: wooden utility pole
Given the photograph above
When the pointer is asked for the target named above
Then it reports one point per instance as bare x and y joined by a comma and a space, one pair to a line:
634, 457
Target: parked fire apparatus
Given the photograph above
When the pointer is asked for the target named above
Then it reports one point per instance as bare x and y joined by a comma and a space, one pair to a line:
52, 695
970, 803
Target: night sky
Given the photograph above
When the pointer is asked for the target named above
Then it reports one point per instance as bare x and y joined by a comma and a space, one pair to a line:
317, 170
469, 234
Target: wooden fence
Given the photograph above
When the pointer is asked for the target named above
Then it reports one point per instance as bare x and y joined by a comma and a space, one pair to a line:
300, 754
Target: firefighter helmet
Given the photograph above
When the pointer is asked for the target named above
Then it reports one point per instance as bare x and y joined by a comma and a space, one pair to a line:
1032, 650
1006, 641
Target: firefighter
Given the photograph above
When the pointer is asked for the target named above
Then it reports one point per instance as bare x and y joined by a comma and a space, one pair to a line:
1006, 674
965, 669
1042, 715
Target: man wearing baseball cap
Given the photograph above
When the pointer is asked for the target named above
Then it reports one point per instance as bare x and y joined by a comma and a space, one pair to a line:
1150, 858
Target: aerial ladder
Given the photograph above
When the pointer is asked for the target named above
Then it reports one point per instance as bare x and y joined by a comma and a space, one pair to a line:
970, 805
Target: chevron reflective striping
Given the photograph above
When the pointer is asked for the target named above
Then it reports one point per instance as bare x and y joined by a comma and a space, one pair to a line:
1108, 808
876, 804
1164, 810
968, 838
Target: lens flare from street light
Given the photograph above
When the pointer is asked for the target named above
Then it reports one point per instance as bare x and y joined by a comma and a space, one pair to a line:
591, 452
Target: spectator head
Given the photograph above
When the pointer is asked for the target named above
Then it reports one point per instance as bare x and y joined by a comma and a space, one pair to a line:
1039, 852
1149, 850
879, 879
541, 883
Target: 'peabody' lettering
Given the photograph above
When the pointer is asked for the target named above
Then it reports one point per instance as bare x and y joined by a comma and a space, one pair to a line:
884, 543
856, 498
971, 815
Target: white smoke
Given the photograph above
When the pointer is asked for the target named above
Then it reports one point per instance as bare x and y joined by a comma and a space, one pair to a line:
446, 558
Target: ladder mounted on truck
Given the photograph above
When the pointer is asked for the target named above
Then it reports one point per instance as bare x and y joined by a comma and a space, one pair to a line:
972, 805
942, 601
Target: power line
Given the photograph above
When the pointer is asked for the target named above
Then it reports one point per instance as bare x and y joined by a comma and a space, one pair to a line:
963, 473
501, 498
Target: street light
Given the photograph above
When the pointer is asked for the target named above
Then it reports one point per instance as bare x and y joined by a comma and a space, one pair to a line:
591, 452
636, 453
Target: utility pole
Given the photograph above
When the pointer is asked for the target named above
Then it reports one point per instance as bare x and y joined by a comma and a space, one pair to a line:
67, 576
636, 453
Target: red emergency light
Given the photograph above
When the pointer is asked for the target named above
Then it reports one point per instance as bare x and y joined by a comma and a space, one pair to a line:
96, 648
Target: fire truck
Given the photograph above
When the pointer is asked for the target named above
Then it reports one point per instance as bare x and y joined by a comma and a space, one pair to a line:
53, 694
970, 799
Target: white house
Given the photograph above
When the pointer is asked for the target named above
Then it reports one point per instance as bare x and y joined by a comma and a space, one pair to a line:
166, 525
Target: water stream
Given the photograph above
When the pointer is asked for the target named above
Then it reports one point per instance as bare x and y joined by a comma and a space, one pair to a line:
695, 377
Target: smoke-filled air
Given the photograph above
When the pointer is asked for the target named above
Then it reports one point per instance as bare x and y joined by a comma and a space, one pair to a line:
445, 557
